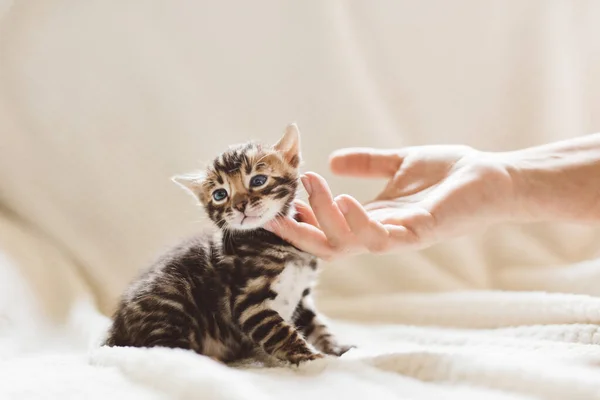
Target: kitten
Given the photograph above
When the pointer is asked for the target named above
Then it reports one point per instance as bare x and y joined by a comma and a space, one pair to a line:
240, 291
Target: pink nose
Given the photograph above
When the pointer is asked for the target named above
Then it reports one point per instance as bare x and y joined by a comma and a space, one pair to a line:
240, 205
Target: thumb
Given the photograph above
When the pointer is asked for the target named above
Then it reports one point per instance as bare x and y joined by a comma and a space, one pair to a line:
365, 162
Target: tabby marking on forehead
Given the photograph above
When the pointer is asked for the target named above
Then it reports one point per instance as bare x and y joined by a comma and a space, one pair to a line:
242, 205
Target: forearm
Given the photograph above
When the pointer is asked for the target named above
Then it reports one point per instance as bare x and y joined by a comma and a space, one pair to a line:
557, 181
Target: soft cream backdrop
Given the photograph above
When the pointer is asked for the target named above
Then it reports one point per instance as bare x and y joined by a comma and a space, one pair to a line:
102, 101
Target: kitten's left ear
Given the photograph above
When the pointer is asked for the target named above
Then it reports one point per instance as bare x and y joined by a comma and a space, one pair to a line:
191, 182
289, 145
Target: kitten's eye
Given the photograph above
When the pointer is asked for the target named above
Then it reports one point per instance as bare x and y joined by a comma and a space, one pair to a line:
219, 194
258, 180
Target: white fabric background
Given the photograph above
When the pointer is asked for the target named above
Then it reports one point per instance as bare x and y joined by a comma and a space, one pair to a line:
102, 101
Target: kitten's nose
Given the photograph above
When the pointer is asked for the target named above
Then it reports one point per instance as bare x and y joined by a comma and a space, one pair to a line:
240, 205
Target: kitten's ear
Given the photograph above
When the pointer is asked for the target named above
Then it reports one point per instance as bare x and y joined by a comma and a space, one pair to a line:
289, 145
191, 182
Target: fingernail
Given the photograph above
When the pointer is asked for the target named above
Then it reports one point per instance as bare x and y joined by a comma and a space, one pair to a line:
306, 184
342, 205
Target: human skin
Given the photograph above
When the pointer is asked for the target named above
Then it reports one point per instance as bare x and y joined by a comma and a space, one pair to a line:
435, 193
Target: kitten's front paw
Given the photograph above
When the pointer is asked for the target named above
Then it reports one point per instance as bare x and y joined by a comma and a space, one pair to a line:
338, 350
298, 358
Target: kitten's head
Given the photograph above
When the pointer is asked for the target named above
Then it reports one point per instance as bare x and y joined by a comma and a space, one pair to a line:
249, 184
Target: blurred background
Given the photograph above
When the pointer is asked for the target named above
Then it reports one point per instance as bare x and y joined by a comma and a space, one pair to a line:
101, 102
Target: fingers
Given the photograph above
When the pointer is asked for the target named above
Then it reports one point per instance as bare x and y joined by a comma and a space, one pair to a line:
417, 223
401, 237
311, 239
331, 228
322, 229
303, 236
326, 211
305, 213
366, 162
372, 234
347, 226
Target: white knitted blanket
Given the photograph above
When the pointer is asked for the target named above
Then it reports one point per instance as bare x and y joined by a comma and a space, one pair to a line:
481, 344
102, 101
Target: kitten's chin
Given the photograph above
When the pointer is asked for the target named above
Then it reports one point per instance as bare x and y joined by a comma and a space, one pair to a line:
242, 222
250, 223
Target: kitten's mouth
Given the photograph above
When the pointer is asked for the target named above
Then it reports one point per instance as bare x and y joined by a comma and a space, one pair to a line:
248, 219
244, 221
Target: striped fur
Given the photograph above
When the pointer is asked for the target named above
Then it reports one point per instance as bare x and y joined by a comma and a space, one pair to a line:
238, 291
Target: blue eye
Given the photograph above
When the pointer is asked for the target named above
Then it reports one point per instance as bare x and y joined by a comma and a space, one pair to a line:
219, 194
258, 180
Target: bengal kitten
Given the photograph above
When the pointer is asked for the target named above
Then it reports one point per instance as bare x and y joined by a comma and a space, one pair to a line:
240, 291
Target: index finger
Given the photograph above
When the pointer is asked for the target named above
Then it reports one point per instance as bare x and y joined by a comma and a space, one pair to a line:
305, 213
365, 162
302, 235
330, 218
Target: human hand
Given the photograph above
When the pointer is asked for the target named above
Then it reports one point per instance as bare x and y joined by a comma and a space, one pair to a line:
434, 193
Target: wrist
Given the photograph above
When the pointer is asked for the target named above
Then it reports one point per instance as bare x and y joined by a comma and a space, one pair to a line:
553, 183
524, 182
496, 182
511, 203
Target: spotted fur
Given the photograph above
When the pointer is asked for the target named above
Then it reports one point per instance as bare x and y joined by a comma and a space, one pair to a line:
238, 291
